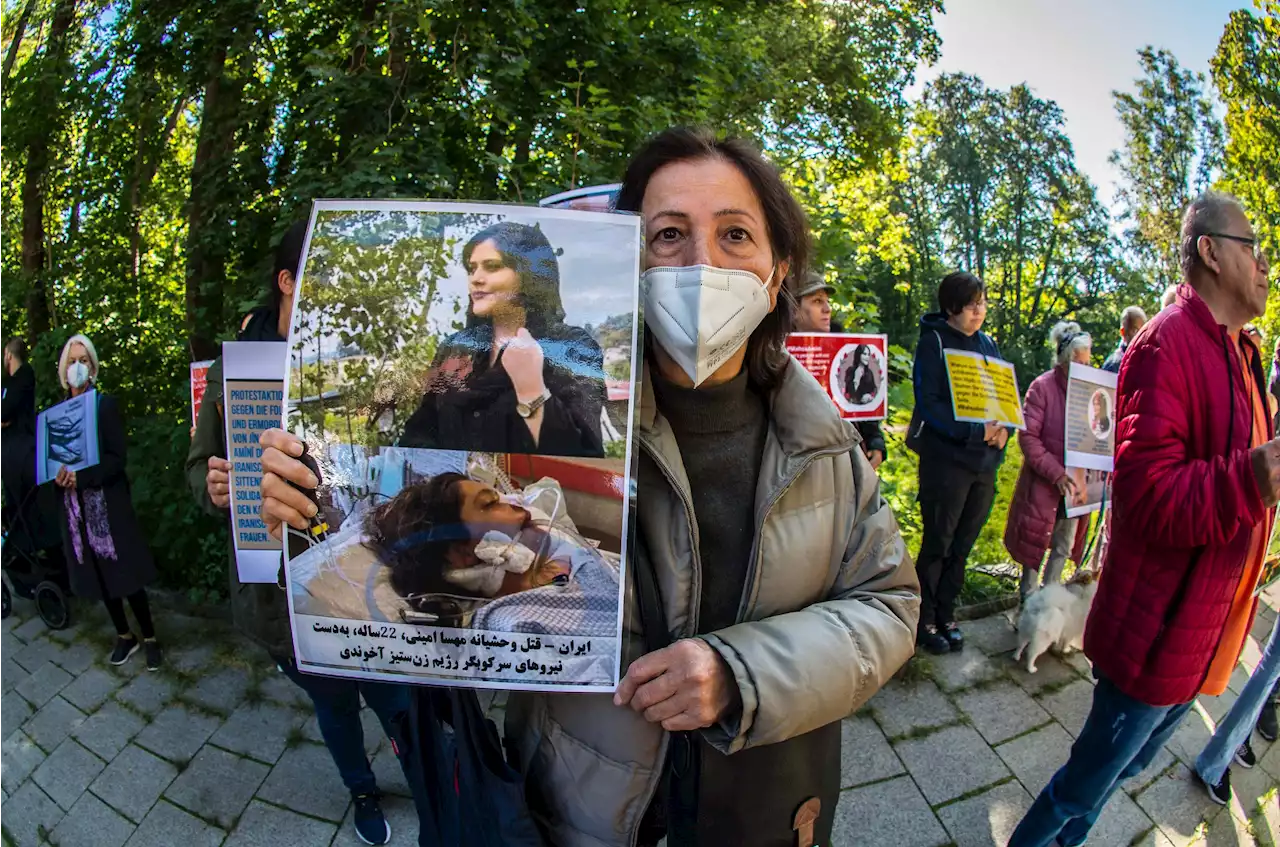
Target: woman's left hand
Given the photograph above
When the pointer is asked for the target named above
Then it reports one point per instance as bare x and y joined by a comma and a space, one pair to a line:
523, 358
684, 687
65, 478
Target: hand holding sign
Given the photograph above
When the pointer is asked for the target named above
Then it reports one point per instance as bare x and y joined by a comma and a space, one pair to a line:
684, 687
218, 483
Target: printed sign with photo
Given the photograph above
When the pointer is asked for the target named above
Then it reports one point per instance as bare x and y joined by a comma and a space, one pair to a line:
463, 378
1091, 418
983, 389
199, 378
67, 436
253, 402
853, 368
1091, 491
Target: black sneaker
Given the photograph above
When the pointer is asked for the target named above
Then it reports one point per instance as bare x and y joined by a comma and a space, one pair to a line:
1268, 727
1220, 793
371, 826
955, 638
1244, 755
931, 641
154, 656
125, 647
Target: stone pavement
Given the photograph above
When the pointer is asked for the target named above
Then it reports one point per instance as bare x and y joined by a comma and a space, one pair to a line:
955, 749
220, 749
217, 748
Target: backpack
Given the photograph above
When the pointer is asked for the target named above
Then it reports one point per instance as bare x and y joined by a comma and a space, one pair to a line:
465, 791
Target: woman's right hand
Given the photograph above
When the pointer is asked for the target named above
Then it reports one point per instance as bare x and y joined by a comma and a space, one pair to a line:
1066, 487
281, 502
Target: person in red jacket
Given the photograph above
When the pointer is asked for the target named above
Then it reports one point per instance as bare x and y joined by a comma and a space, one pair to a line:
1037, 516
1197, 470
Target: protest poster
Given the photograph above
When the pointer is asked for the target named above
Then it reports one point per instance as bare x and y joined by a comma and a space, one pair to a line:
590, 198
463, 376
1089, 436
853, 368
1091, 491
1091, 418
199, 377
983, 389
67, 436
253, 402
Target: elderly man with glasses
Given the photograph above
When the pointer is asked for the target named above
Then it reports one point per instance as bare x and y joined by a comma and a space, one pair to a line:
1197, 472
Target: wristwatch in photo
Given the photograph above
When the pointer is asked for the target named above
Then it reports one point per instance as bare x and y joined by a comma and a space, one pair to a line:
528, 410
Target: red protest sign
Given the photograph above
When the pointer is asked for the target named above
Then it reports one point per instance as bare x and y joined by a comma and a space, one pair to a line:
853, 368
199, 375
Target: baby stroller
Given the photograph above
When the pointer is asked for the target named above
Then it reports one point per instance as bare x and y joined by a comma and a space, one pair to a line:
31, 551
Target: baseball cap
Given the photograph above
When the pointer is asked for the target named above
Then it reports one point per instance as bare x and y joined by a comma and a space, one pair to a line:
813, 283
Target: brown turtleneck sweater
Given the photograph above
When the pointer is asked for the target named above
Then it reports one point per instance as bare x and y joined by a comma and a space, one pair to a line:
721, 433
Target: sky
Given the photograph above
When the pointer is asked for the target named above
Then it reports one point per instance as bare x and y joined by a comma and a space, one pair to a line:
1075, 52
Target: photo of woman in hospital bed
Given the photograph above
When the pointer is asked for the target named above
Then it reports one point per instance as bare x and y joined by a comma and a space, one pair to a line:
453, 551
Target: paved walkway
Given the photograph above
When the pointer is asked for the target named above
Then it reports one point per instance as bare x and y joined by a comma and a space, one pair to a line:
219, 749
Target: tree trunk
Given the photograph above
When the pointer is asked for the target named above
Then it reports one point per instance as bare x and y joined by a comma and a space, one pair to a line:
206, 228
12, 55
34, 256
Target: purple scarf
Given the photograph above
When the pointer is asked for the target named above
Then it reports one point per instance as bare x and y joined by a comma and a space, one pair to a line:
94, 521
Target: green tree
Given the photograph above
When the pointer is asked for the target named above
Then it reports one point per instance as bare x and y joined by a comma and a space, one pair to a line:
1172, 149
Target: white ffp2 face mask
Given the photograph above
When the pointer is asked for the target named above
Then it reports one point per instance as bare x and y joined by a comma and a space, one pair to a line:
77, 374
702, 315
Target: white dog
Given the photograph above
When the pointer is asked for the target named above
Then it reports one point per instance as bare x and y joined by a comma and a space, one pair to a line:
1055, 616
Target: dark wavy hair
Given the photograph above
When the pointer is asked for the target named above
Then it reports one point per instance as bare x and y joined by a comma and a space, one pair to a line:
526, 251
767, 355
412, 532
287, 258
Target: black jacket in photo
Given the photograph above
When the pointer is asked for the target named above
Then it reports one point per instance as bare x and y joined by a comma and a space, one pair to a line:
470, 405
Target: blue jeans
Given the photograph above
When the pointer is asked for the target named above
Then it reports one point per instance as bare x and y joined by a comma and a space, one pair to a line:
1120, 738
1236, 726
337, 702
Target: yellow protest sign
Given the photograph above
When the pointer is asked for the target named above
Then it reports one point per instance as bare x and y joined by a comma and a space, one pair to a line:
983, 389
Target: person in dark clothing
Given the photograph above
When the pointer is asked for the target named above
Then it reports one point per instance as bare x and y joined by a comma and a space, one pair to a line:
1132, 319
261, 610
18, 419
107, 554
19, 397
958, 461
517, 379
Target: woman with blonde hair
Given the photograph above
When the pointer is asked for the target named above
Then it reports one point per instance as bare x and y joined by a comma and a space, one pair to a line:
107, 555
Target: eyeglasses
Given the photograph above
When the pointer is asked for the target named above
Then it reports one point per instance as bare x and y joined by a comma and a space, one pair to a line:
977, 306
1252, 242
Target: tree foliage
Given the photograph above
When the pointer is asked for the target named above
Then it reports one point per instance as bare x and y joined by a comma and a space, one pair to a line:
1172, 149
155, 150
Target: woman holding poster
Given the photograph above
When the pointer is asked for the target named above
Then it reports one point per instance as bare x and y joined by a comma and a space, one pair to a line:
517, 379
732, 603
958, 460
107, 555
1037, 516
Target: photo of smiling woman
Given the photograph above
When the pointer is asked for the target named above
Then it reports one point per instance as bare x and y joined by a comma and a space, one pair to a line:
517, 378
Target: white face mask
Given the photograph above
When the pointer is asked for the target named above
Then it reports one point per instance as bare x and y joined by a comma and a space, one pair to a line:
77, 374
702, 315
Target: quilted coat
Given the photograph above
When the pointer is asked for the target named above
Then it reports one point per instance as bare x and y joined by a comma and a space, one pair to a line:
1185, 501
1034, 508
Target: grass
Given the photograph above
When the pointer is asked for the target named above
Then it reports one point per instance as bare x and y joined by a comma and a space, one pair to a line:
969, 795
295, 738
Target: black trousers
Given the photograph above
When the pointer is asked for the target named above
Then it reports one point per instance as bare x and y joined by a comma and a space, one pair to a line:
954, 505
